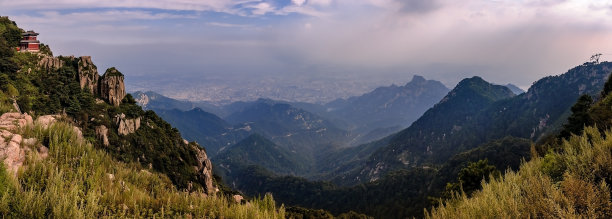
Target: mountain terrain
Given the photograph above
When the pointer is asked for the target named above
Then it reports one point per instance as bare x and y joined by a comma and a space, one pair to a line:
516, 90
75, 145
531, 115
435, 173
568, 176
386, 107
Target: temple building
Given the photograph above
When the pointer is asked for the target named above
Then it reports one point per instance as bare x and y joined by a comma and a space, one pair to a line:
29, 43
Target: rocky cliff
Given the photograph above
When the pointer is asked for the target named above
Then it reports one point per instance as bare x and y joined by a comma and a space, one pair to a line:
50, 63
88, 74
112, 87
204, 169
127, 126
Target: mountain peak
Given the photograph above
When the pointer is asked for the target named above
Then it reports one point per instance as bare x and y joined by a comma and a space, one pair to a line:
417, 79
477, 85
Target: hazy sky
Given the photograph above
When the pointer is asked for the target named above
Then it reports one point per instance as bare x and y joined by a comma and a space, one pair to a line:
516, 41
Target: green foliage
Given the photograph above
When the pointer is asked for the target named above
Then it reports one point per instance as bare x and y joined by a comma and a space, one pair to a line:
607, 87
582, 192
257, 150
10, 32
397, 195
306, 213
112, 72
79, 181
580, 117
45, 49
471, 176
6, 52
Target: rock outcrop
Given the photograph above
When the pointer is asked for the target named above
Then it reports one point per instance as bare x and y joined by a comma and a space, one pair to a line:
127, 126
46, 120
204, 170
238, 198
102, 134
50, 63
11, 152
88, 74
12, 121
112, 88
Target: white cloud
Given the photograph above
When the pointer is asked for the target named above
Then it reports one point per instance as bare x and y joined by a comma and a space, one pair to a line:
500, 37
298, 2
261, 8
320, 2
64, 19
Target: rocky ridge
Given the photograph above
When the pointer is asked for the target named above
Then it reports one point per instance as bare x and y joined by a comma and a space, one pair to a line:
88, 74
204, 169
112, 87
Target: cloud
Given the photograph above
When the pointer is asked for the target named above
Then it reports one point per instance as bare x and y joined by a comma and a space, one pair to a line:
261, 8
298, 2
233, 7
89, 17
514, 41
218, 24
418, 6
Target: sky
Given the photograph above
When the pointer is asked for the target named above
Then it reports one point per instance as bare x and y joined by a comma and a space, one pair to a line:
503, 41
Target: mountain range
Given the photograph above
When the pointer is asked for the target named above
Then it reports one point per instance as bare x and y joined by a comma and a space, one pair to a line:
76, 145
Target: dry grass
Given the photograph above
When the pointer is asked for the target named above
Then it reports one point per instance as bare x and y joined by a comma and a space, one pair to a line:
79, 181
583, 191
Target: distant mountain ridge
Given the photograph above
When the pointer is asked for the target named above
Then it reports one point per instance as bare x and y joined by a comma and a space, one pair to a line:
296, 129
205, 128
516, 90
257, 150
389, 106
541, 110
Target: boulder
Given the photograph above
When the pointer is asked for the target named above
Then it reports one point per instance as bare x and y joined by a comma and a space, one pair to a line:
13, 120
238, 198
43, 152
112, 88
46, 120
127, 126
102, 134
11, 152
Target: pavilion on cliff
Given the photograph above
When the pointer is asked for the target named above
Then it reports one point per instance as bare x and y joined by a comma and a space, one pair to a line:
29, 43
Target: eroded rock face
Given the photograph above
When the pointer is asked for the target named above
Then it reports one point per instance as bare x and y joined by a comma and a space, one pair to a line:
204, 170
46, 120
142, 100
12, 121
127, 126
112, 87
11, 152
50, 63
88, 74
102, 133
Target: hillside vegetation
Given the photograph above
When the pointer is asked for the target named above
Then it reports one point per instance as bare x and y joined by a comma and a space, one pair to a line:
96, 159
78, 181
570, 180
573, 183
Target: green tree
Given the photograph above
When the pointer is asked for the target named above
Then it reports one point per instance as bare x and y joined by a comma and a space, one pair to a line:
580, 117
607, 87
471, 176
